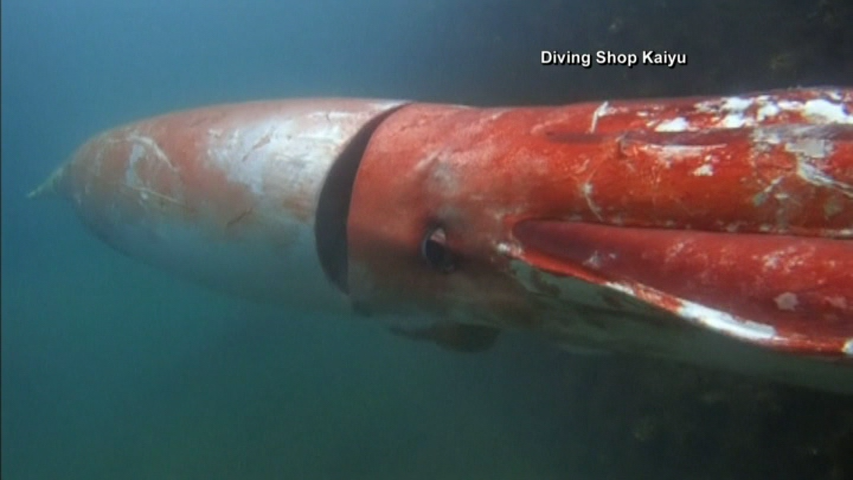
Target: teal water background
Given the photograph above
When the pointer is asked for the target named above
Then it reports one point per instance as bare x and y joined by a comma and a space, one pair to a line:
113, 370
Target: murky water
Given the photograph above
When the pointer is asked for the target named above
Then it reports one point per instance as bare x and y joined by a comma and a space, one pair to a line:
111, 369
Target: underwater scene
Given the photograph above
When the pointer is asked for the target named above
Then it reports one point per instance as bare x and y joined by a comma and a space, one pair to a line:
497, 239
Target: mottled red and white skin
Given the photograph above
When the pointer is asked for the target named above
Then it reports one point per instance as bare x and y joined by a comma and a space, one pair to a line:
714, 231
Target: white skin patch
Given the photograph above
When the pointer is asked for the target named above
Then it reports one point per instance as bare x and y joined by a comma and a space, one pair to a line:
508, 250
769, 136
706, 170
672, 153
811, 147
820, 109
733, 111
848, 347
786, 301
149, 144
734, 120
736, 103
587, 192
599, 112
766, 111
734, 108
771, 261
130, 176
808, 152
145, 149
594, 260
620, 287
726, 323
678, 124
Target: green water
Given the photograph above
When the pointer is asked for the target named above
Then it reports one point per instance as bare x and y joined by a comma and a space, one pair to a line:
112, 370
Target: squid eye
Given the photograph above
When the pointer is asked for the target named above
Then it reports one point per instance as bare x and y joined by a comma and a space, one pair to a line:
435, 251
